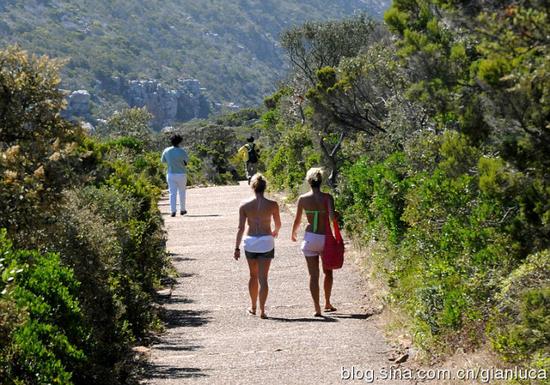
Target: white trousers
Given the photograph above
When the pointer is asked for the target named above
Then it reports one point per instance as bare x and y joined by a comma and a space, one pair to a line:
177, 183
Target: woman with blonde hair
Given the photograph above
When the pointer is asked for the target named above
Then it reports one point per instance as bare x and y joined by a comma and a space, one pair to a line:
259, 243
314, 204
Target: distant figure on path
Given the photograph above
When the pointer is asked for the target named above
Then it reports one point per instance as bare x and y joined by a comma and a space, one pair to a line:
177, 159
250, 155
259, 243
314, 204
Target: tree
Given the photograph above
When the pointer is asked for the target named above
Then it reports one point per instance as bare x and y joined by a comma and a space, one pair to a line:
130, 122
37, 147
315, 45
341, 105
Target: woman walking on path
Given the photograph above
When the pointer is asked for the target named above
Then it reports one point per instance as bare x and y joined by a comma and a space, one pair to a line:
259, 243
314, 204
177, 159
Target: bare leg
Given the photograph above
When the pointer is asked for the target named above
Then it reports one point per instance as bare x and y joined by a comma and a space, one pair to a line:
253, 283
264, 264
313, 268
327, 284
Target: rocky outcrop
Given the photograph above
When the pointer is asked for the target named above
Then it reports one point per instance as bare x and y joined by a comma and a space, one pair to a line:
79, 103
168, 106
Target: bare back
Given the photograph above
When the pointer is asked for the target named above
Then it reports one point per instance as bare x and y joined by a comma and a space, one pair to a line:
314, 206
258, 213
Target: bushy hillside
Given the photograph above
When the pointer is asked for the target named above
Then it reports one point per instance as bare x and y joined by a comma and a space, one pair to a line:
229, 46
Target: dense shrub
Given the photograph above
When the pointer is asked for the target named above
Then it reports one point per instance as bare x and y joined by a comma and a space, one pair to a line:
440, 135
456, 231
48, 340
288, 165
37, 147
372, 198
520, 328
72, 316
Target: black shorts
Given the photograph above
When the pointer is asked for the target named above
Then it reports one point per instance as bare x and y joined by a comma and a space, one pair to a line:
251, 255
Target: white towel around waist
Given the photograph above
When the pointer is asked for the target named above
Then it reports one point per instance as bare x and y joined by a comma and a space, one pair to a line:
259, 243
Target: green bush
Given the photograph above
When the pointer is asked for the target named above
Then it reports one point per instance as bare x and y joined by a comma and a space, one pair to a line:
441, 137
372, 198
289, 163
49, 341
453, 231
110, 232
520, 325
72, 316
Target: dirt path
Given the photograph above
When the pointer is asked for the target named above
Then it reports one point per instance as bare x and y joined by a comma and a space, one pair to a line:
210, 339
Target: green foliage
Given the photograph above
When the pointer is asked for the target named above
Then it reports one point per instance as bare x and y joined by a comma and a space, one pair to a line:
288, 165
519, 330
37, 148
129, 123
73, 315
457, 229
315, 45
239, 118
442, 136
48, 343
372, 196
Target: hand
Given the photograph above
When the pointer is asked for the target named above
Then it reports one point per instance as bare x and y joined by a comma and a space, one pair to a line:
294, 237
275, 233
237, 254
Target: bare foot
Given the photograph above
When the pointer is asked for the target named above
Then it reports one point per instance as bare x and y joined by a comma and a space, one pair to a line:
251, 311
329, 308
263, 316
317, 314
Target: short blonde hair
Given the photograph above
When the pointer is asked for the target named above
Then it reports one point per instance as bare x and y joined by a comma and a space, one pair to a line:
258, 183
314, 176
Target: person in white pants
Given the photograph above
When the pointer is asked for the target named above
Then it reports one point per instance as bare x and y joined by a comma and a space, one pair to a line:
176, 158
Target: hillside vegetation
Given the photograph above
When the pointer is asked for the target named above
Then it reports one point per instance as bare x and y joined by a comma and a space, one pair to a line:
435, 128
231, 47
82, 248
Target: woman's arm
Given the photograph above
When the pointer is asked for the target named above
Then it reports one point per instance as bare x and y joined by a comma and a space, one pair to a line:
276, 219
297, 220
240, 232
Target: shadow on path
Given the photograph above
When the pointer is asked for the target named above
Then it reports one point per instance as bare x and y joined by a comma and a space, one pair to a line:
202, 215
175, 318
183, 259
178, 348
162, 371
352, 316
167, 300
303, 319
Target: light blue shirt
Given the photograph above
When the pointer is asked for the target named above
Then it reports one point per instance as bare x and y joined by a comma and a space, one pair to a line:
176, 158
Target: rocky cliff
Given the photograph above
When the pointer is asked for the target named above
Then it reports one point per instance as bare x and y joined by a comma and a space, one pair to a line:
168, 105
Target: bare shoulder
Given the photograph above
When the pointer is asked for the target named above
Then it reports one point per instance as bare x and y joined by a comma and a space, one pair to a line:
245, 203
329, 197
304, 198
273, 203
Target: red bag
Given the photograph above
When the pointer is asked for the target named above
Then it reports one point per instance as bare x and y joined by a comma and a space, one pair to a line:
333, 254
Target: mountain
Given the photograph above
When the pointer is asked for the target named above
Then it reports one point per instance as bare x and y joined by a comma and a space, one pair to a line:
230, 47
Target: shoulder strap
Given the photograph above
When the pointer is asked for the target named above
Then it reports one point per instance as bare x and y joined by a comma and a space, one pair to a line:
328, 230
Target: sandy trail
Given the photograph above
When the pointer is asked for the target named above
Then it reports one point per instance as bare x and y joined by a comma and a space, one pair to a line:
211, 340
